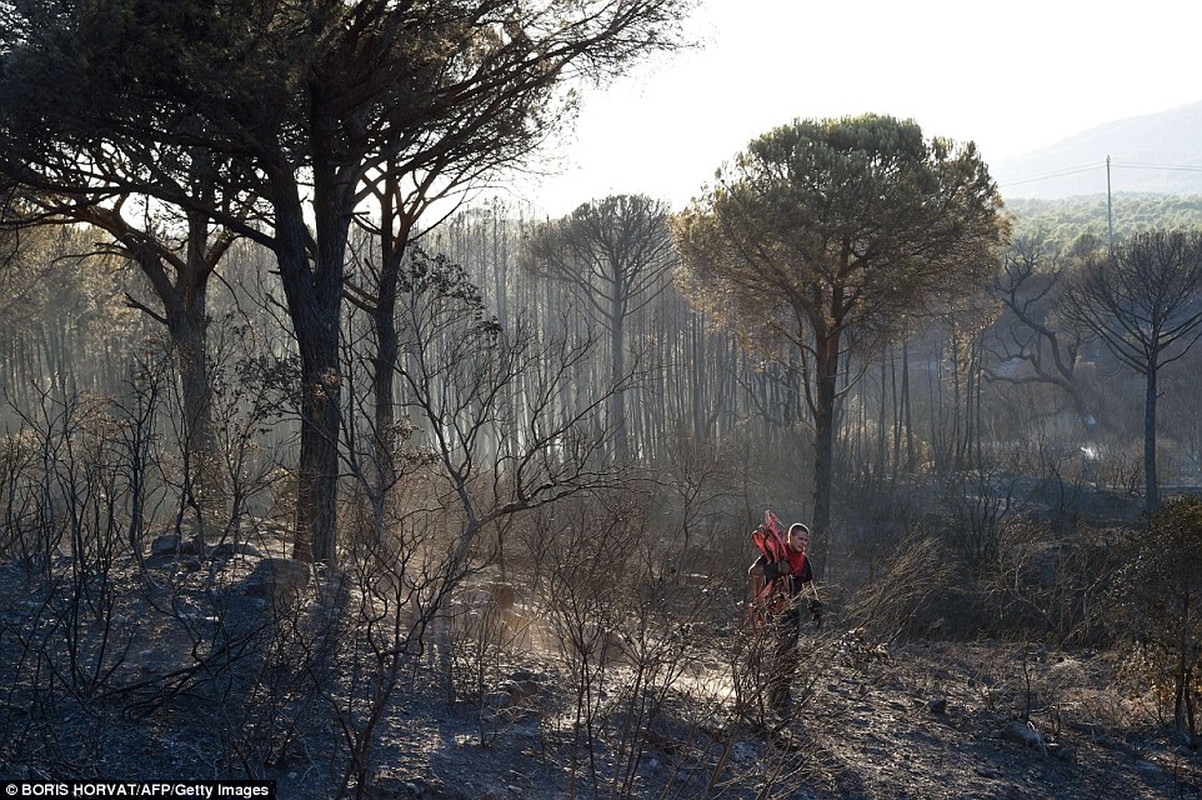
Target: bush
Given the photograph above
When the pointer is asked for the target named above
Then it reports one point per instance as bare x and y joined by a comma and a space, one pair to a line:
1161, 587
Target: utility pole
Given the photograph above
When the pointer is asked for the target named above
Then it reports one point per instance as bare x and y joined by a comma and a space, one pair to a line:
1109, 209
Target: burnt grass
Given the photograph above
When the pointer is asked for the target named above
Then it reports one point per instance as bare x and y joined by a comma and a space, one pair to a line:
172, 669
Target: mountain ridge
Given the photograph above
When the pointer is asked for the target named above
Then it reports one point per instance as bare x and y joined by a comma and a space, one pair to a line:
1159, 153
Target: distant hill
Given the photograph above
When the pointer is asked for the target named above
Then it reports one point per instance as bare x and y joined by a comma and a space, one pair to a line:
1159, 153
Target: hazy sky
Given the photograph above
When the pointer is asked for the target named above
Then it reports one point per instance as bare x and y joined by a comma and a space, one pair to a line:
1011, 76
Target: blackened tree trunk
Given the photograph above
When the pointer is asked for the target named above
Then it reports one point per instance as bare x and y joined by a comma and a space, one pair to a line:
618, 426
314, 292
1151, 484
396, 223
822, 405
180, 283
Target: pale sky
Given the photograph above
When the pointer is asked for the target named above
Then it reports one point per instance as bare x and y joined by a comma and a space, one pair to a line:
1013, 77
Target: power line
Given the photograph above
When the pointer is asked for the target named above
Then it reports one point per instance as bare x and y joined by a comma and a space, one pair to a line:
1064, 173
1170, 167
1129, 165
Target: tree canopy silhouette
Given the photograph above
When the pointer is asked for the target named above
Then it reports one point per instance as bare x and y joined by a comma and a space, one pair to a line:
1144, 301
615, 253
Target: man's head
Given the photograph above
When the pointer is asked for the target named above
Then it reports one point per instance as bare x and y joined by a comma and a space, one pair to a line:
799, 536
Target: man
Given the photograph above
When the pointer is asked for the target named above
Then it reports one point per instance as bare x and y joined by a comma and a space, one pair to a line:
790, 580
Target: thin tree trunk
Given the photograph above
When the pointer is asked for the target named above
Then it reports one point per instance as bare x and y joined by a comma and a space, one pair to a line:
881, 439
826, 378
907, 422
1151, 488
617, 401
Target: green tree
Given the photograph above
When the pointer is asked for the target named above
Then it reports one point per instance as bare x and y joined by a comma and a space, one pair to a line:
822, 234
1144, 301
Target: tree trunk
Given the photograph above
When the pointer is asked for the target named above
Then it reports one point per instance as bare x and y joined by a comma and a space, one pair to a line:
907, 421
314, 306
826, 370
317, 473
1151, 489
384, 363
881, 445
618, 398
1183, 702
185, 314
384, 360
188, 326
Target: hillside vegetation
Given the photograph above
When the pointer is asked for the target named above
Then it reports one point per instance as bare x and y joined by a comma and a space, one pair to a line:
1062, 221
